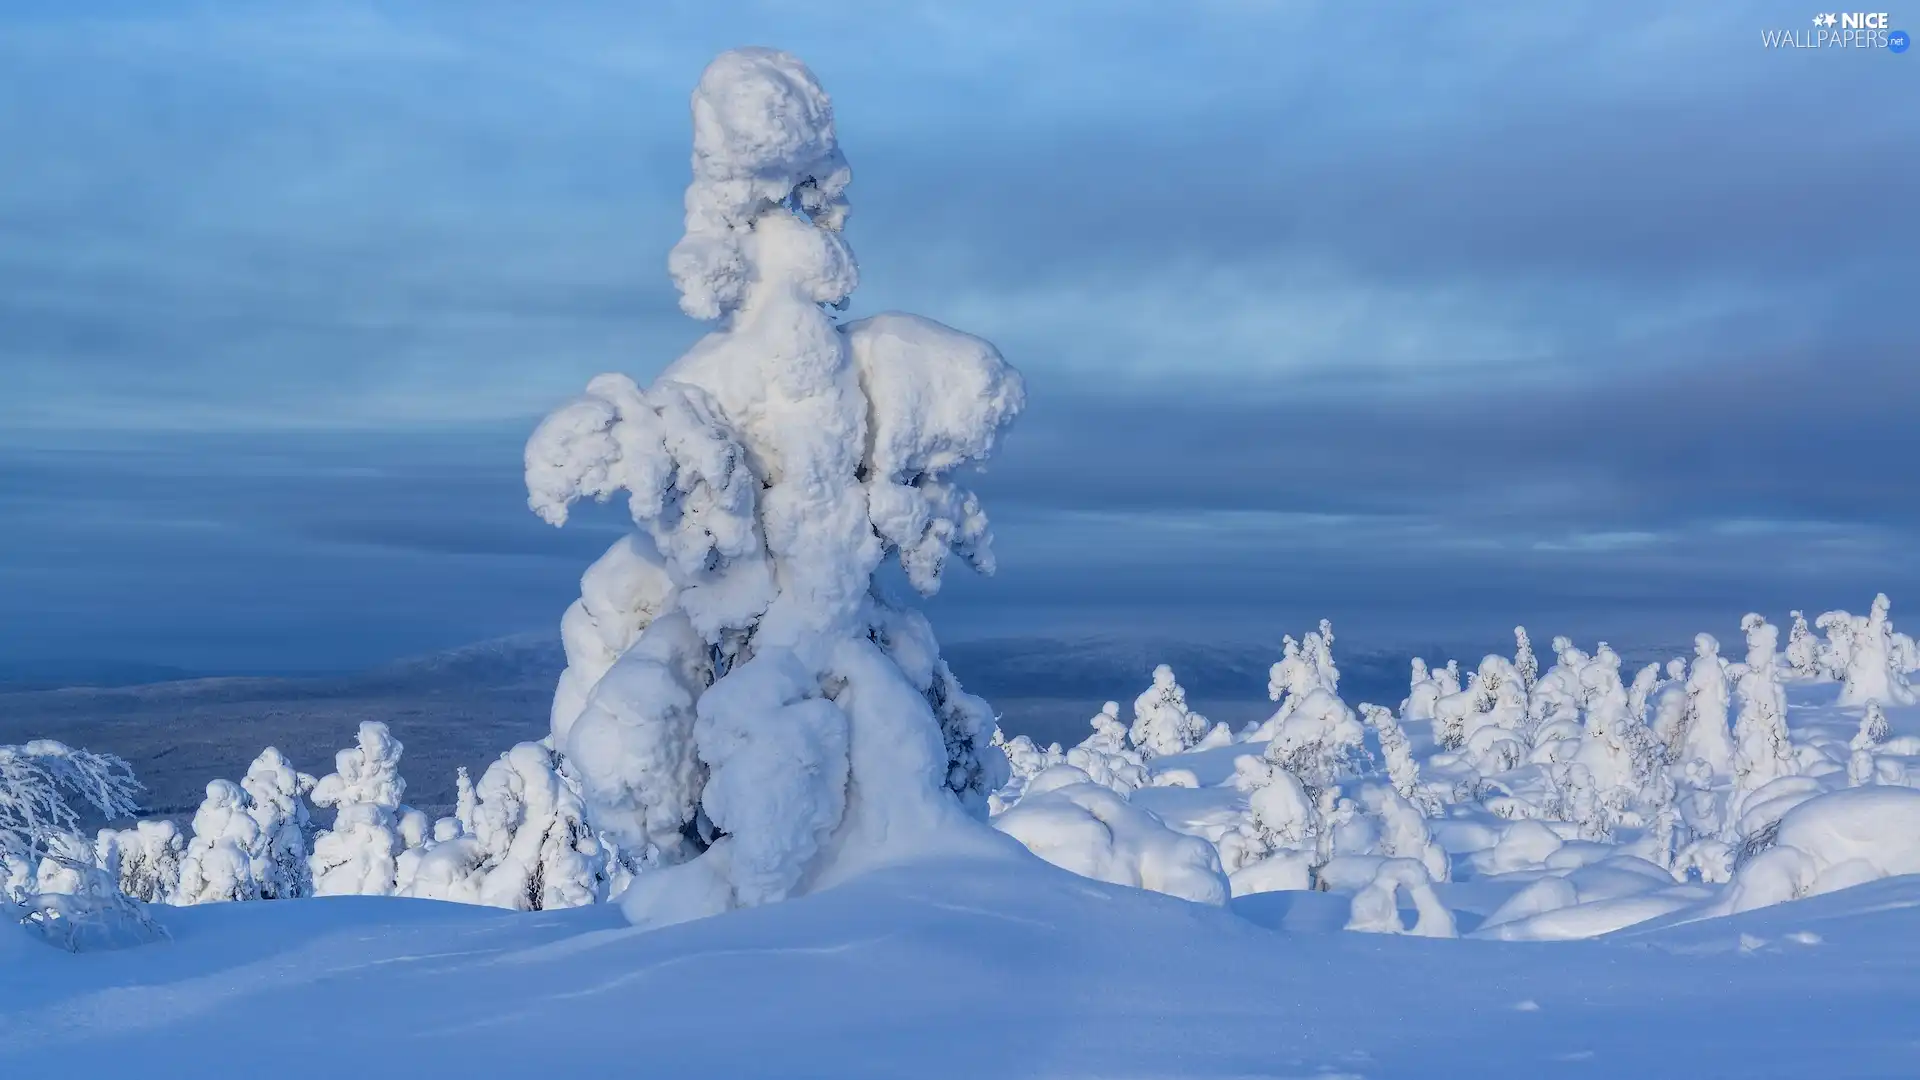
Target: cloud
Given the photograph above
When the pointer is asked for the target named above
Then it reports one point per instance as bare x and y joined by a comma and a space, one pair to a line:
1382, 310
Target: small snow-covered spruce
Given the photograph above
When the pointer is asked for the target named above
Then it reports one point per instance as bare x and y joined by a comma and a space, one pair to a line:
1423, 691
1873, 732
1705, 735
1320, 742
1763, 753
1873, 672
1803, 649
227, 851
356, 856
1105, 756
276, 794
1162, 723
1403, 772
1281, 815
1640, 694
1524, 662
743, 707
527, 847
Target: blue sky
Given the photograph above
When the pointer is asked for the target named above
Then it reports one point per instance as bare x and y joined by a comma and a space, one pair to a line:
1425, 317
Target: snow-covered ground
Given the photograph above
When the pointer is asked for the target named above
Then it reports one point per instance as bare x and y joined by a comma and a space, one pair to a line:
982, 969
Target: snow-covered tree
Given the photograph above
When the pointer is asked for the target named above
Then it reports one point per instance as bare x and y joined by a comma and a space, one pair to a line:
742, 704
1705, 735
1872, 673
1281, 814
465, 805
1803, 649
1640, 694
1525, 664
1422, 692
1162, 722
1836, 651
39, 783
1106, 757
276, 794
356, 856
227, 852
1763, 752
1319, 742
145, 858
1873, 732
1403, 772
531, 822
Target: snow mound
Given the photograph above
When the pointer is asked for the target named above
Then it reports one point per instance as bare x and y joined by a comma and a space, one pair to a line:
1094, 832
1831, 842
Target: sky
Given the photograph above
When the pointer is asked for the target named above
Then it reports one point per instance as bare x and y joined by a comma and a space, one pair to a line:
1427, 318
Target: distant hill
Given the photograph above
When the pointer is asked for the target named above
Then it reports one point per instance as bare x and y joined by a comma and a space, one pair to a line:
465, 706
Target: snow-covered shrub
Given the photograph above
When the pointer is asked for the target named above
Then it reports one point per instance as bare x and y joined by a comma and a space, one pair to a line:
1763, 752
1095, 833
145, 858
1803, 649
1873, 672
1376, 907
1025, 761
1403, 831
1403, 772
1422, 692
738, 695
1640, 694
1873, 732
356, 856
227, 852
1106, 758
1162, 722
1836, 650
1281, 815
38, 782
1320, 741
1705, 735
276, 794
537, 851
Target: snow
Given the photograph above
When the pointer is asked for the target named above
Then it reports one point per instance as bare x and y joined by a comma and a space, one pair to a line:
761, 781
1087, 828
1059, 975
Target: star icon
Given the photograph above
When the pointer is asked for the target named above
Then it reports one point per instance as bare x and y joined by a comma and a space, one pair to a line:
1830, 20
1819, 20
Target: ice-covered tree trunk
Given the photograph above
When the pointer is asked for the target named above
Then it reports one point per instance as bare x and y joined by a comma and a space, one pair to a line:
742, 704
